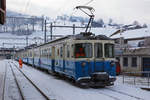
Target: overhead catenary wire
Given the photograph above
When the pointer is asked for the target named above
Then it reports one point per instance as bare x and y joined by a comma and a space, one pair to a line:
88, 2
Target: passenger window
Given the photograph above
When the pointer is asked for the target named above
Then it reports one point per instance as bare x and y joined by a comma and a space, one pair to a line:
61, 52
50, 52
68, 51
57, 52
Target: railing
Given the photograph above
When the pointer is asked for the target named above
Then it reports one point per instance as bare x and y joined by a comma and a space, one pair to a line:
137, 78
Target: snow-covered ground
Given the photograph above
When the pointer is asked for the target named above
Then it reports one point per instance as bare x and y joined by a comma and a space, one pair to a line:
60, 89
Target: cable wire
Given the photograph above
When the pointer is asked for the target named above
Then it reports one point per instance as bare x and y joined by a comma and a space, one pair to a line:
88, 2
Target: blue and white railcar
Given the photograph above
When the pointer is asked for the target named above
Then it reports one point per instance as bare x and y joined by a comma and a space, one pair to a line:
94, 66
85, 58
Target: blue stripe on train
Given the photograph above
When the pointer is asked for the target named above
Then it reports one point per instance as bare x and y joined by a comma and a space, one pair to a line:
74, 69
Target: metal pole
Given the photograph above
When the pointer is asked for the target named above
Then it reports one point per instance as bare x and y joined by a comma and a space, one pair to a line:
51, 31
45, 33
33, 24
73, 29
27, 40
42, 23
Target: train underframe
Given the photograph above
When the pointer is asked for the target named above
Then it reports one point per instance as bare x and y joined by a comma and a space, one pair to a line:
98, 79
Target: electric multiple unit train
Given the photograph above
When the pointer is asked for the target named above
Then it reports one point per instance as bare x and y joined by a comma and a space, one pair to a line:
84, 58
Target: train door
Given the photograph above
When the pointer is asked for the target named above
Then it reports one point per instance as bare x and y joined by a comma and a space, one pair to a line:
98, 57
59, 58
83, 54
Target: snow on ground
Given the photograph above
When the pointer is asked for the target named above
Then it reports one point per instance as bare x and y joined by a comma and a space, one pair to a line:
11, 89
60, 89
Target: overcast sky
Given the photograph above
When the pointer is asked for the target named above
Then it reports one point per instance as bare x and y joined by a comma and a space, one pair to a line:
123, 11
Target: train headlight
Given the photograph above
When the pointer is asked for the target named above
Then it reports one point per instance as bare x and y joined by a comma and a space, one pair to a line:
83, 64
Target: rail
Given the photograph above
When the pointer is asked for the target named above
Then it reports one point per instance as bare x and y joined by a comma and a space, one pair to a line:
45, 95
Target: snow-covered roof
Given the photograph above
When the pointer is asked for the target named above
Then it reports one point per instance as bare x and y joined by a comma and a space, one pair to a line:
137, 33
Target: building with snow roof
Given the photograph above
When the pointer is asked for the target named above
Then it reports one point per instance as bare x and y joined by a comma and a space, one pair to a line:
133, 49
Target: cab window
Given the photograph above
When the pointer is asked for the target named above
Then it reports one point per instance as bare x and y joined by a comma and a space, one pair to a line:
98, 50
83, 50
109, 50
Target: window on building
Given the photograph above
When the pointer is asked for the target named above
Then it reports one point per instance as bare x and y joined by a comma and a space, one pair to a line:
134, 61
125, 61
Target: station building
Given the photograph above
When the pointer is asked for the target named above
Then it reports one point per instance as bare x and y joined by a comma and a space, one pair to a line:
133, 50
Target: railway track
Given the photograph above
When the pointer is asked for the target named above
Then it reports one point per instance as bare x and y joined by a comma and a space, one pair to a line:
16, 81
126, 94
117, 95
107, 94
16, 71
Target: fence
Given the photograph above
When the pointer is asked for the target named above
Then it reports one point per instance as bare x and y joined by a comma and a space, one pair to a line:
137, 78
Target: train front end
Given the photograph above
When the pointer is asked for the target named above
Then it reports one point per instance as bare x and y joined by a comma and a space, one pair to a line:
95, 62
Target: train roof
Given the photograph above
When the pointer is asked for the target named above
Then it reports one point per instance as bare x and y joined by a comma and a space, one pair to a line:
81, 36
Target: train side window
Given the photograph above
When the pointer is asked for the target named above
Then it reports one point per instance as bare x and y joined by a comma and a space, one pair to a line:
47, 52
72, 50
57, 52
98, 50
50, 52
68, 51
61, 52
